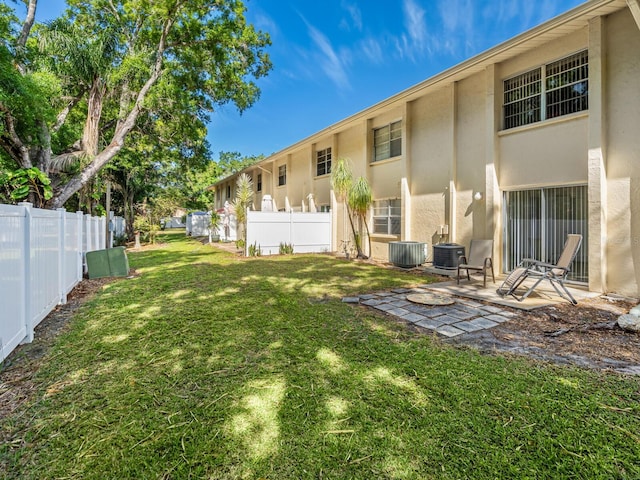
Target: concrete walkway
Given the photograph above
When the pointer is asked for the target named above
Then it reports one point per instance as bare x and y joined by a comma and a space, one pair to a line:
463, 316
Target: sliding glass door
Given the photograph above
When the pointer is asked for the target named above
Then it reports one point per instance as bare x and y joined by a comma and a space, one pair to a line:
538, 221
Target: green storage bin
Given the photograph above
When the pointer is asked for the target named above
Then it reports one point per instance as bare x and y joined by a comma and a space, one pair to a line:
118, 262
107, 263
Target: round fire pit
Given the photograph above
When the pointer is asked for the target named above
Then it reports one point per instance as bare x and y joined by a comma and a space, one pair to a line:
430, 299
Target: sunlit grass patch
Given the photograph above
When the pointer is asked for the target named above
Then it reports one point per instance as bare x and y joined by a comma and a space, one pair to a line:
211, 366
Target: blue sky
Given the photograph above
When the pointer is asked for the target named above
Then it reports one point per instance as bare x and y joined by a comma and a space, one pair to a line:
334, 58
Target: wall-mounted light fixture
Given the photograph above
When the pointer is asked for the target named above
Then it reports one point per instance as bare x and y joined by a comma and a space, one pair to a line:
478, 196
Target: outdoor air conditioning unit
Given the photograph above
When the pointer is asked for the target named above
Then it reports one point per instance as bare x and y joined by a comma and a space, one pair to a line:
445, 255
407, 254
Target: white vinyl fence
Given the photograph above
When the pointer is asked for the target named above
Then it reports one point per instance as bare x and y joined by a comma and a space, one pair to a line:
306, 232
41, 260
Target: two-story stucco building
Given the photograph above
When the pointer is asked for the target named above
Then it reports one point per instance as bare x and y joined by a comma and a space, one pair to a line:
533, 139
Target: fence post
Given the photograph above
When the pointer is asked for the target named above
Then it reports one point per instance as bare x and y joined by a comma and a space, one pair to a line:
88, 233
62, 264
28, 317
110, 229
103, 224
79, 253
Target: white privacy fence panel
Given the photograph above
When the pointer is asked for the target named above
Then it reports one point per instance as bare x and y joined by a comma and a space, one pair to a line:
44, 267
118, 226
41, 260
12, 278
306, 232
72, 246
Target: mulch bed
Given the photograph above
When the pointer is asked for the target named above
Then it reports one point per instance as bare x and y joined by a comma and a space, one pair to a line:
586, 335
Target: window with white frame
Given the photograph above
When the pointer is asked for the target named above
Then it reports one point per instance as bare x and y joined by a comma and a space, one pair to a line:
387, 141
387, 215
259, 183
323, 162
282, 175
552, 90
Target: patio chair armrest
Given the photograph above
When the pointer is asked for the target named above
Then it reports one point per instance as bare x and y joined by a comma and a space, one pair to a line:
532, 261
488, 261
462, 260
550, 266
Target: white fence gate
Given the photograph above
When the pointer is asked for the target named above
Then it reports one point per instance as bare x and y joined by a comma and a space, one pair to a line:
41, 260
306, 232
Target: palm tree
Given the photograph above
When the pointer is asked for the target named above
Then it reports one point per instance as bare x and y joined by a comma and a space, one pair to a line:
355, 196
360, 199
244, 198
85, 62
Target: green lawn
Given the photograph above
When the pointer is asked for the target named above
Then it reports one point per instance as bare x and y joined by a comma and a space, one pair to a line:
212, 366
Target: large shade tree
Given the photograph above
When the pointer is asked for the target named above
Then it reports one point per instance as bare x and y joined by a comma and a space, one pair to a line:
73, 91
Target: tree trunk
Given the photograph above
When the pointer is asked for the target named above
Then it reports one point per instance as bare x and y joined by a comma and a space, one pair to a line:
129, 214
91, 132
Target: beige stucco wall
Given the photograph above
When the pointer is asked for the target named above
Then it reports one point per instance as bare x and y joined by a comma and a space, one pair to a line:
299, 177
622, 99
546, 53
543, 154
432, 151
470, 158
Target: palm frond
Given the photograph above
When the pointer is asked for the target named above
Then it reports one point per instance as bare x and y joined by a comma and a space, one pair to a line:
341, 178
360, 197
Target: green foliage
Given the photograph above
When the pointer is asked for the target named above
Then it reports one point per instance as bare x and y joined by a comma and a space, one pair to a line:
341, 179
150, 72
119, 240
215, 222
231, 163
285, 248
360, 197
240, 243
25, 184
147, 227
25, 101
254, 250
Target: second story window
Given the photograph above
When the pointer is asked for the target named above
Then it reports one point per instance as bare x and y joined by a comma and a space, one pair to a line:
387, 141
282, 175
259, 183
323, 162
556, 89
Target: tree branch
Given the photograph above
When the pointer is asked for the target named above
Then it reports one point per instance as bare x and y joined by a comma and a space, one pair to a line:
28, 23
62, 116
12, 144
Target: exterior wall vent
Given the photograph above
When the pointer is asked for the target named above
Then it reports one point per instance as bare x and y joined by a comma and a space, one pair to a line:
407, 254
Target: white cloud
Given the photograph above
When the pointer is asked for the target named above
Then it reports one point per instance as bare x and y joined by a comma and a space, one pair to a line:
355, 15
415, 39
372, 50
329, 60
265, 23
458, 18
